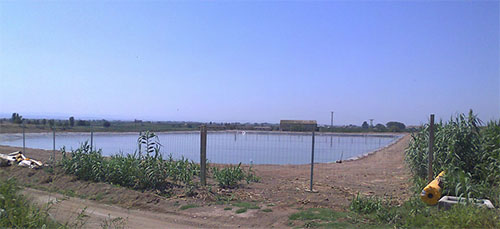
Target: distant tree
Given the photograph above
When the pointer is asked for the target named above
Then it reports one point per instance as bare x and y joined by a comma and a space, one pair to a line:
51, 122
71, 121
81, 123
106, 124
44, 122
395, 126
16, 118
380, 127
365, 125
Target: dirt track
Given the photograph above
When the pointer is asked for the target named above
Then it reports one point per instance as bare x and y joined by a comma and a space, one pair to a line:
95, 215
282, 188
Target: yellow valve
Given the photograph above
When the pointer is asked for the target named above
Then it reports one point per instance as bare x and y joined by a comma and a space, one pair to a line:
432, 192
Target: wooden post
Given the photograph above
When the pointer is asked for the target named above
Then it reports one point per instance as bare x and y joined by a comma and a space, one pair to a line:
312, 163
431, 148
203, 155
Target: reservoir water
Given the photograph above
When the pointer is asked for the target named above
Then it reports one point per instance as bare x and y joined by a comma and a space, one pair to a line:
228, 147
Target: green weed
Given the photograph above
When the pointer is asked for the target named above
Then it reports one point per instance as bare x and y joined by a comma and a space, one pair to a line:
188, 206
230, 176
17, 212
241, 210
365, 205
317, 214
320, 217
415, 214
141, 172
114, 223
247, 205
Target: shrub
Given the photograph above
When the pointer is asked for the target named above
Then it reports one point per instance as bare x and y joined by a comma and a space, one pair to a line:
85, 163
137, 172
229, 177
365, 205
149, 171
17, 212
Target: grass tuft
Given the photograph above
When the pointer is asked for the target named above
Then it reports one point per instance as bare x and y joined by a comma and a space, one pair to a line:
241, 210
188, 206
247, 205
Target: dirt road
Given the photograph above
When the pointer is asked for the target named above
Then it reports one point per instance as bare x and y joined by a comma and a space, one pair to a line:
91, 214
282, 189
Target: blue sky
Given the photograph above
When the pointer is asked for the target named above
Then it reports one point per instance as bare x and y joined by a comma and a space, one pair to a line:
250, 61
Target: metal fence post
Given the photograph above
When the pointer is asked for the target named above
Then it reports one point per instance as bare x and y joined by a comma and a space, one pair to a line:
91, 139
24, 140
203, 155
312, 163
54, 146
431, 148
140, 153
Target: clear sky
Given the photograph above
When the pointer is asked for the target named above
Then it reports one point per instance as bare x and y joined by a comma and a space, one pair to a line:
250, 61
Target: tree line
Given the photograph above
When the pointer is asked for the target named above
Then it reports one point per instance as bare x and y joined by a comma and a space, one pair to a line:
16, 118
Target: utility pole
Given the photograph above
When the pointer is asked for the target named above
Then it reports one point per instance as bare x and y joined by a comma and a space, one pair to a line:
331, 123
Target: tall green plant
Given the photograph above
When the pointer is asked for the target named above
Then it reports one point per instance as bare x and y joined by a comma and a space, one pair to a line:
17, 212
151, 142
469, 152
134, 171
230, 176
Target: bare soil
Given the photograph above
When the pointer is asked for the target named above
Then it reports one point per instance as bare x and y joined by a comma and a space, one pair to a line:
283, 189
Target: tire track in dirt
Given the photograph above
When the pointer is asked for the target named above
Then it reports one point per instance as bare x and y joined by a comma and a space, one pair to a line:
67, 209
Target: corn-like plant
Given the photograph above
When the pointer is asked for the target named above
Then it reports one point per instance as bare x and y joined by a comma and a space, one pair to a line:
229, 177
469, 152
151, 142
136, 171
146, 172
85, 163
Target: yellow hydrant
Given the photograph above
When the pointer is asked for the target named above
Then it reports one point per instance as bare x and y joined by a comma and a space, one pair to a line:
432, 192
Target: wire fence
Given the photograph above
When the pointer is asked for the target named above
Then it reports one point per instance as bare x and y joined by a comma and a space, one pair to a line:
223, 147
